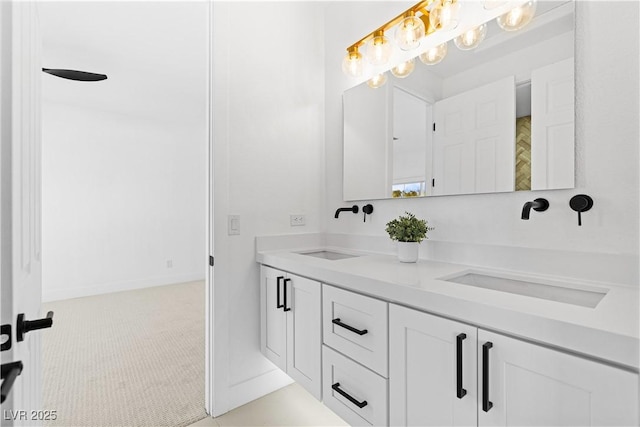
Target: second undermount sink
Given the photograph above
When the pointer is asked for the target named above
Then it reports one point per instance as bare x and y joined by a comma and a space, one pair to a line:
331, 255
555, 291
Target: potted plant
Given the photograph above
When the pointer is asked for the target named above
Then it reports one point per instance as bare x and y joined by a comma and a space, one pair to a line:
408, 231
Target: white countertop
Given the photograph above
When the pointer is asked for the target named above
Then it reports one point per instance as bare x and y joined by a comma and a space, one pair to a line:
608, 332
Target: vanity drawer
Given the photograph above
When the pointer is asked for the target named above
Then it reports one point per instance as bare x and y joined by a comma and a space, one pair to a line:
356, 326
355, 393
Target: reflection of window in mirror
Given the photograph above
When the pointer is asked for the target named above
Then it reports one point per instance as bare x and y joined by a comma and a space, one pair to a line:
523, 136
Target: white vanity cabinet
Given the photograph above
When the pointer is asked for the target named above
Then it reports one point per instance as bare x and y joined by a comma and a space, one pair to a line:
432, 370
290, 308
529, 384
506, 381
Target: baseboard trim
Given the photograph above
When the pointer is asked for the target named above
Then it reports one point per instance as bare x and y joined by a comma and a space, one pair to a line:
257, 387
107, 288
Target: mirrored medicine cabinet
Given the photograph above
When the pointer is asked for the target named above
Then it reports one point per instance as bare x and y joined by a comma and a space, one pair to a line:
498, 118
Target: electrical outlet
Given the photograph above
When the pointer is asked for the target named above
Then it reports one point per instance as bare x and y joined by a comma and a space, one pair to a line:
170, 263
296, 220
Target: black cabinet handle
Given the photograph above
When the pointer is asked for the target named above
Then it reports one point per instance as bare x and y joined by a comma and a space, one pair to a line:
10, 372
347, 396
278, 304
5, 330
460, 392
349, 328
285, 308
486, 403
24, 326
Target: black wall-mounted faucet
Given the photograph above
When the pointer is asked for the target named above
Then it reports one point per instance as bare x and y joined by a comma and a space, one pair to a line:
538, 205
368, 210
355, 209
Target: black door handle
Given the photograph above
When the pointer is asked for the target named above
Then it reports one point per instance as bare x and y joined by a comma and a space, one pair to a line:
460, 392
5, 330
486, 403
24, 326
347, 396
278, 304
10, 372
349, 328
285, 308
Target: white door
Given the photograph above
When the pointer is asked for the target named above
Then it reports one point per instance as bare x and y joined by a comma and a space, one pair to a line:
411, 139
21, 200
552, 126
274, 320
304, 340
536, 386
430, 384
474, 140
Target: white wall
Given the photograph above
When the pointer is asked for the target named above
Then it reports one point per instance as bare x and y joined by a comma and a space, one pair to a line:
124, 160
607, 152
268, 147
121, 197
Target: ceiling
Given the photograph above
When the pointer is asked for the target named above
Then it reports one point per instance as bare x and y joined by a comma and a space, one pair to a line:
154, 53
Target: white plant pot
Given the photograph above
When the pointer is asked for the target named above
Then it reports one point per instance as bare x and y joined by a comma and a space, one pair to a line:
408, 251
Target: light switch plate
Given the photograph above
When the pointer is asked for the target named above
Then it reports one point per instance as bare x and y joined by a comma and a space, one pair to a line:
233, 225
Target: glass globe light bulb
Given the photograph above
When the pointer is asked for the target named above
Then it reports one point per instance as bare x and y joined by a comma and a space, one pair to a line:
517, 18
409, 32
352, 64
470, 39
377, 81
379, 49
445, 15
434, 55
403, 69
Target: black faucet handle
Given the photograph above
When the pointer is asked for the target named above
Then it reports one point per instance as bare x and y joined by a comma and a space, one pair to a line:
581, 203
368, 210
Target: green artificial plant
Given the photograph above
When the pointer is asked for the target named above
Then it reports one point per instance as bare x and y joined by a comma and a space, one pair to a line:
408, 228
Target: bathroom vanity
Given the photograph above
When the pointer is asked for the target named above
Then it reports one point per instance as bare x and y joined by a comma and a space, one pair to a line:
433, 343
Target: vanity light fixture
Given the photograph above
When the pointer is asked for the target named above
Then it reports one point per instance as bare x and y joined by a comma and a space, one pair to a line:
403, 69
470, 39
517, 18
413, 26
352, 63
377, 81
434, 55
379, 48
410, 31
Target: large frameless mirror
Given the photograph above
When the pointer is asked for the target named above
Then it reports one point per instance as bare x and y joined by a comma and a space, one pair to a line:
497, 118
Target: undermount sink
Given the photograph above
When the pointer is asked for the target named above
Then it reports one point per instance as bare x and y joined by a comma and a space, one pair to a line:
559, 292
328, 255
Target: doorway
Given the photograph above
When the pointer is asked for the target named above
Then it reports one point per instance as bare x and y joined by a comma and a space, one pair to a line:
124, 183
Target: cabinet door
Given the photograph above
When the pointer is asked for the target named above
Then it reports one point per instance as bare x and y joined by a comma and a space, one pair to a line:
534, 385
424, 371
273, 336
304, 341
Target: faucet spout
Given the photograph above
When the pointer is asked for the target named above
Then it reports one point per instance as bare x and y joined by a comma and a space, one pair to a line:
538, 205
353, 209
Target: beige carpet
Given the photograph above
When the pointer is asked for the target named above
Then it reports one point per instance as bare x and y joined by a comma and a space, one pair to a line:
131, 358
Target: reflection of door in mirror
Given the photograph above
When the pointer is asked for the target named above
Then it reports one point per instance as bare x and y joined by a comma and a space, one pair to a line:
411, 153
474, 150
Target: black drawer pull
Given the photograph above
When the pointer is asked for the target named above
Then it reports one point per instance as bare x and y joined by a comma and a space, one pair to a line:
284, 305
486, 403
346, 395
278, 304
460, 392
10, 372
350, 328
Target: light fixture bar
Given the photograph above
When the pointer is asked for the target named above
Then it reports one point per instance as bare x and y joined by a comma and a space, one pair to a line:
418, 7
